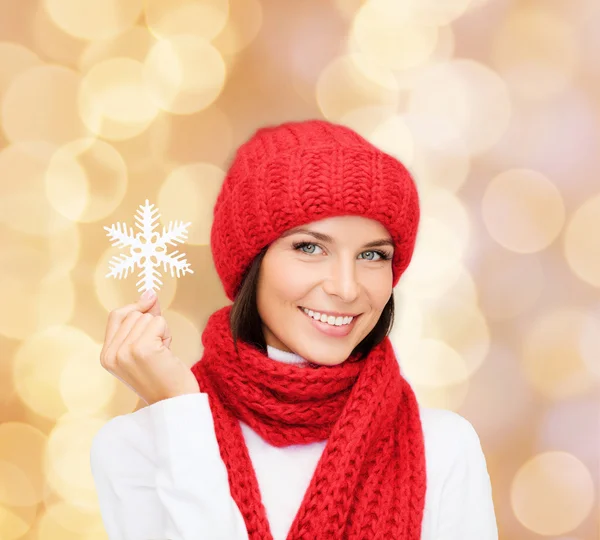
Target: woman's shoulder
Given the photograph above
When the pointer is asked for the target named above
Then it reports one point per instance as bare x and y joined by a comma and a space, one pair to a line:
449, 439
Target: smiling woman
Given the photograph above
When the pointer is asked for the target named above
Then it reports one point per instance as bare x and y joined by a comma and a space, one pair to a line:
303, 425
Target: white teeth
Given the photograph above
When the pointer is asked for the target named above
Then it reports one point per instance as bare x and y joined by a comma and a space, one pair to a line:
329, 319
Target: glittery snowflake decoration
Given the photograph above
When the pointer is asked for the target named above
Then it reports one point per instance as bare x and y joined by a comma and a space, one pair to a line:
148, 248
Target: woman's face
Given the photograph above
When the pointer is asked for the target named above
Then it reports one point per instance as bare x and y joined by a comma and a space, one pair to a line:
332, 268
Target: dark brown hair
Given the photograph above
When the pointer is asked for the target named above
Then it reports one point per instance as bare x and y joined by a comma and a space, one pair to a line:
246, 323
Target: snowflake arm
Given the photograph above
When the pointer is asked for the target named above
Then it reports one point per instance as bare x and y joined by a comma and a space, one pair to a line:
148, 249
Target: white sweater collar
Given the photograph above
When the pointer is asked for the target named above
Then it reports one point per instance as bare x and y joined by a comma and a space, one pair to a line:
285, 356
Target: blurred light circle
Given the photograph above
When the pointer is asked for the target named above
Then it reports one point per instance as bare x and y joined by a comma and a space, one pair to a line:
566, 426
94, 19
173, 77
552, 493
15, 487
189, 194
438, 374
188, 344
383, 30
79, 169
133, 44
536, 52
523, 211
552, 359
69, 520
13, 523
24, 206
589, 342
434, 12
114, 101
14, 438
67, 459
474, 101
39, 363
509, 283
436, 263
200, 18
56, 45
435, 363
462, 327
41, 105
85, 386
353, 82
394, 137
407, 330
243, 25
14, 59
581, 246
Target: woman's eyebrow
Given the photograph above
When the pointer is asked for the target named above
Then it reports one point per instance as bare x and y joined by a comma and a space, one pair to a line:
326, 238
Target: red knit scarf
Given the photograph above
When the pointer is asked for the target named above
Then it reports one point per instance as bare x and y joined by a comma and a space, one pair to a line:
370, 481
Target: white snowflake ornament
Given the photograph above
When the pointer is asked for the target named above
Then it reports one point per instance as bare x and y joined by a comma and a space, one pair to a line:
148, 248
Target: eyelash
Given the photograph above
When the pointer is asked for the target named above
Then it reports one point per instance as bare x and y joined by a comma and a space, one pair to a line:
385, 255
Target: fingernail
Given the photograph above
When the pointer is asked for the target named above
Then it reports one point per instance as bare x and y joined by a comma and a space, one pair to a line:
148, 294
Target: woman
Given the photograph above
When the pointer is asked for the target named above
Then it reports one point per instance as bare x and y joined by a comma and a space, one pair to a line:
297, 422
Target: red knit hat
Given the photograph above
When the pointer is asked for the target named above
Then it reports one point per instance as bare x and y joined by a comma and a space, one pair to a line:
292, 174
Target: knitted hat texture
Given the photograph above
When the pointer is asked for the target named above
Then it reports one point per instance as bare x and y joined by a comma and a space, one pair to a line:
298, 172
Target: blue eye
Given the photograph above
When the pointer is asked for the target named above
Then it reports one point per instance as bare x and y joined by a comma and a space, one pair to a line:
384, 255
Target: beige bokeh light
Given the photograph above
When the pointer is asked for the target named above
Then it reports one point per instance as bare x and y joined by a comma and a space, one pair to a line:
67, 459
134, 44
581, 245
536, 51
189, 194
41, 105
114, 101
552, 493
94, 19
200, 18
438, 373
187, 341
172, 76
523, 211
14, 59
86, 180
463, 327
552, 358
437, 259
510, 284
29, 473
85, 386
13, 523
243, 24
393, 136
69, 521
589, 342
474, 102
22, 171
39, 363
387, 33
352, 82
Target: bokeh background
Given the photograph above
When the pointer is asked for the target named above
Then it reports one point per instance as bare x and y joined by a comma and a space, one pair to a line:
494, 106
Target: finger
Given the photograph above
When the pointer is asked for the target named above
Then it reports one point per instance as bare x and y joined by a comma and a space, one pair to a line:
110, 353
157, 330
117, 316
155, 309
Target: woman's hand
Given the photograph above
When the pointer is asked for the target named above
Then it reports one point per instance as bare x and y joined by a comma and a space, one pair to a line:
137, 352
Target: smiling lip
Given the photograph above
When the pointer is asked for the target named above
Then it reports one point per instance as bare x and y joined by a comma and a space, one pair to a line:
328, 329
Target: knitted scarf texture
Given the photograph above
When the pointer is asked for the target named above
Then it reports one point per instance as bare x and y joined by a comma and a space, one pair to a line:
371, 479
